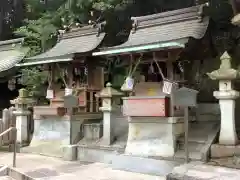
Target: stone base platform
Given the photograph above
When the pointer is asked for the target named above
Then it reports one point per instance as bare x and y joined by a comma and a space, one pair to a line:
30, 167
116, 159
53, 135
153, 136
199, 171
221, 151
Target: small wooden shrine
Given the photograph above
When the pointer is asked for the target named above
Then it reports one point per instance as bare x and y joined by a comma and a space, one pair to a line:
79, 74
152, 54
73, 73
11, 53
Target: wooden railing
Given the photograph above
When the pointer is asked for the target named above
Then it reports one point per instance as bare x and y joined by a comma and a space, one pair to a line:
8, 131
13, 132
8, 120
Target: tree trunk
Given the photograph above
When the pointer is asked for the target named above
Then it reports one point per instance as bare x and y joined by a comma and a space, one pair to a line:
234, 6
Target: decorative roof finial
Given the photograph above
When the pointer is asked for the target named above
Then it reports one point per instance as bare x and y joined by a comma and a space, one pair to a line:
225, 61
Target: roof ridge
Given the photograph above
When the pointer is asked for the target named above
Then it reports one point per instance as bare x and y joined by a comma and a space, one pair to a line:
167, 13
83, 31
167, 17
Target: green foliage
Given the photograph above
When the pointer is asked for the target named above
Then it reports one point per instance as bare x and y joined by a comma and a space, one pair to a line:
43, 20
34, 79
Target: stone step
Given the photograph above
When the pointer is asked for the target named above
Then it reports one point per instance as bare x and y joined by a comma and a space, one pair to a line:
4, 148
6, 178
192, 146
194, 155
208, 118
117, 160
193, 139
200, 126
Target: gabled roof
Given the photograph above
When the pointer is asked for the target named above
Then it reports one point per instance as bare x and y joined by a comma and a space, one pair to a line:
11, 53
170, 29
77, 41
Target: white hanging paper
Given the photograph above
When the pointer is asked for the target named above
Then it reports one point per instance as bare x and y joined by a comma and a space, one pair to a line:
68, 91
167, 87
50, 94
128, 84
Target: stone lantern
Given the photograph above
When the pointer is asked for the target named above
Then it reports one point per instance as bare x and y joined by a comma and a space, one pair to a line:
21, 105
227, 96
108, 96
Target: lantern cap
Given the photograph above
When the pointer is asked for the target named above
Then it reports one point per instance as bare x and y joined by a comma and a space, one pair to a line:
109, 92
23, 98
225, 72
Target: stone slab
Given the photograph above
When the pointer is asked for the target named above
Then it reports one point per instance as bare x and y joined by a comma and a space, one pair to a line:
70, 153
220, 151
3, 170
6, 178
126, 162
203, 172
42, 168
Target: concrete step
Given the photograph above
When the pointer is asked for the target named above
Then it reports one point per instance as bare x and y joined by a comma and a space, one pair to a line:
193, 139
194, 155
117, 160
201, 135
11, 173
192, 146
5, 178
200, 126
4, 148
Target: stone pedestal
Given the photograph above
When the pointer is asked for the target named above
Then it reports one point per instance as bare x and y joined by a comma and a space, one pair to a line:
153, 136
108, 135
227, 96
108, 96
50, 135
21, 104
228, 134
57, 136
22, 125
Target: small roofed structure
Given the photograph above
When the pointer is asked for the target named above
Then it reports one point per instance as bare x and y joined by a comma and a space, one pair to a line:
71, 60
166, 30
155, 45
151, 53
11, 53
74, 79
78, 41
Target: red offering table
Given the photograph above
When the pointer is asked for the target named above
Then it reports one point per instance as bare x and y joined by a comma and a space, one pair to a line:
146, 106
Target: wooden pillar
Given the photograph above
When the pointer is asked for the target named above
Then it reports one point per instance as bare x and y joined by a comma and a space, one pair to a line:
170, 76
70, 75
170, 70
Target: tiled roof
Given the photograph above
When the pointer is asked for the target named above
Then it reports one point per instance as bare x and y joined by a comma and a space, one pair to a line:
79, 40
10, 53
166, 27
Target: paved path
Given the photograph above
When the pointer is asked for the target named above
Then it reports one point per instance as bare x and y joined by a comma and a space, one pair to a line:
42, 168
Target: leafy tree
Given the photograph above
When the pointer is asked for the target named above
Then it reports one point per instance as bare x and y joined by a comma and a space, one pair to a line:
11, 15
45, 17
35, 80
